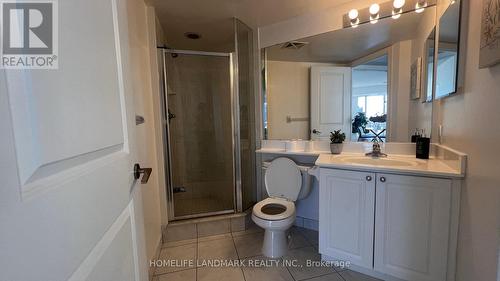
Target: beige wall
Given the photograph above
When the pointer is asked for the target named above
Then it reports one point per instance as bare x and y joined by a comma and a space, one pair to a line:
288, 88
399, 93
470, 122
159, 33
143, 61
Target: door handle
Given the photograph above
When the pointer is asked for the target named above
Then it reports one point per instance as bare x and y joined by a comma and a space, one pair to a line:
316, 132
146, 172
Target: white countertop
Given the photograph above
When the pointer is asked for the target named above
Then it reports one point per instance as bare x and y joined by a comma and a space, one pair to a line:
431, 167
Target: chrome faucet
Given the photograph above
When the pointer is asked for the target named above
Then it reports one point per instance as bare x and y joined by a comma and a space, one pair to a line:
376, 150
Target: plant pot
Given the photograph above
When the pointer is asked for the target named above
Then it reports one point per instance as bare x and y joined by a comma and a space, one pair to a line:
336, 148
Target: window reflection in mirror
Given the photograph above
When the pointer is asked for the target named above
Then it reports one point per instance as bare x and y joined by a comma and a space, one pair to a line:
369, 99
448, 47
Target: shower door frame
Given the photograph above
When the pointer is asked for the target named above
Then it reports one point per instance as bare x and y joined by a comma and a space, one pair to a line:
235, 117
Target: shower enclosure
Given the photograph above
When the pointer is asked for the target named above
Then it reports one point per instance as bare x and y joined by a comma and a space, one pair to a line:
209, 129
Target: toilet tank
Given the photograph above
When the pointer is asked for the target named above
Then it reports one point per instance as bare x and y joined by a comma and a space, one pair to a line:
307, 179
306, 182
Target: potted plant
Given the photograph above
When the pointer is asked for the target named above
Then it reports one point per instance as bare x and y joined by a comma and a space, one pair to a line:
336, 141
359, 123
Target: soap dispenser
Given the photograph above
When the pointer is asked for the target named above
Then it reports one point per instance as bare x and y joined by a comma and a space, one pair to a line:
423, 145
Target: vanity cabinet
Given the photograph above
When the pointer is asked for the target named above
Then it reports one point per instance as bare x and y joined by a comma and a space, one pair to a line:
346, 211
412, 223
393, 225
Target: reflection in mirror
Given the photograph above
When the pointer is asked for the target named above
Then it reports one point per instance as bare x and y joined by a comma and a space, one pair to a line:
429, 65
353, 79
448, 45
369, 99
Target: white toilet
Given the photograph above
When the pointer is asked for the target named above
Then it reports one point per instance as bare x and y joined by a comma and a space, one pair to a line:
285, 182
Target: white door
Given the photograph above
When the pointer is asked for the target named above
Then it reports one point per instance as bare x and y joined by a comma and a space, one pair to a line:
346, 216
412, 227
67, 149
330, 101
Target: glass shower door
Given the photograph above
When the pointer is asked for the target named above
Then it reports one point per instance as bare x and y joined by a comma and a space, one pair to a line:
199, 106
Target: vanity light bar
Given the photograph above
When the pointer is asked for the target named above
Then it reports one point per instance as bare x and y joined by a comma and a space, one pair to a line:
376, 11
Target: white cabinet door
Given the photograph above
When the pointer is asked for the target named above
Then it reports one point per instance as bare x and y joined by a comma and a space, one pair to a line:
412, 227
330, 100
347, 202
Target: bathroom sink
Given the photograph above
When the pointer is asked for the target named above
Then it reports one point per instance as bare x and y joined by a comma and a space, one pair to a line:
387, 162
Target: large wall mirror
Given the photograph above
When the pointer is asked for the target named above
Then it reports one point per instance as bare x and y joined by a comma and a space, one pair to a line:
447, 73
371, 81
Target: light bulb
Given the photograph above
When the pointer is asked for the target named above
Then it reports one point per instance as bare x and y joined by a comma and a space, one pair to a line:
398, 4
353, 14
398, 8
420, 6
374, 9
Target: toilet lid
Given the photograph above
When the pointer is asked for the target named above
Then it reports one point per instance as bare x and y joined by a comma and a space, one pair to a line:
283, 179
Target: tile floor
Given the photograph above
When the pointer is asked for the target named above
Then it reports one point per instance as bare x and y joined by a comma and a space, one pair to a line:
245, 246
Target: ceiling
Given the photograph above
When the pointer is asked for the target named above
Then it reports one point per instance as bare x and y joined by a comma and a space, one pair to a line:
213, 18
346, 45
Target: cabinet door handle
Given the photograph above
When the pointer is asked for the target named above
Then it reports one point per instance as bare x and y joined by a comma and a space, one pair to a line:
368, 178
382, 179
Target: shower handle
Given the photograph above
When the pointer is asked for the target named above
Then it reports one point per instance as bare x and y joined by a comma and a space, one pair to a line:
170, 116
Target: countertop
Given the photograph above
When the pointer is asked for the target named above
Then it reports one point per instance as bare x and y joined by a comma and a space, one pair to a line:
433, 167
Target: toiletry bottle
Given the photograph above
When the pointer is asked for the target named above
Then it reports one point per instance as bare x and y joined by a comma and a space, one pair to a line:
423, 146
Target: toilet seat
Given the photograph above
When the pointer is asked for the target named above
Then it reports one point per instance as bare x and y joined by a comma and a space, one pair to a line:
283, 179
287, 213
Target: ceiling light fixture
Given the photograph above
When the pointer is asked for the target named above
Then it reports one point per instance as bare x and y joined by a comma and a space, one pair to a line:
420, 6
353, 17
374, 13
192, 35
398, 8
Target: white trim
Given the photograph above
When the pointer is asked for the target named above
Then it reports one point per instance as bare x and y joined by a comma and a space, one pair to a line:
134, 239
40, 186
89, 263
119, 71
456, 189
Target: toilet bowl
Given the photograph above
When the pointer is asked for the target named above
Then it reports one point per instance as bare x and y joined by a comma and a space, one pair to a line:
285, 183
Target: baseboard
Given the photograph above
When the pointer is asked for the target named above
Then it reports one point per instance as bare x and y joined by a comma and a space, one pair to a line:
307, 223
362, 270
201, 227
156, 256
